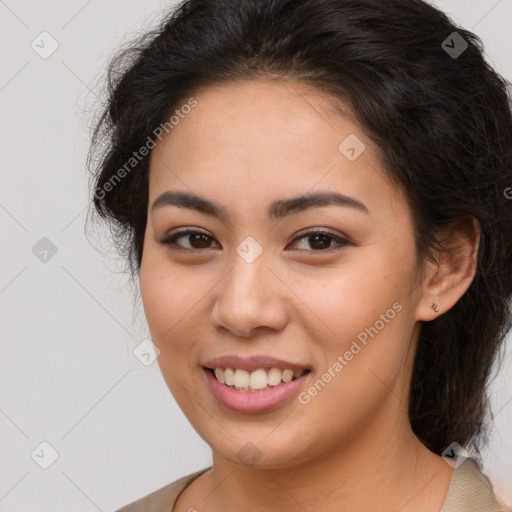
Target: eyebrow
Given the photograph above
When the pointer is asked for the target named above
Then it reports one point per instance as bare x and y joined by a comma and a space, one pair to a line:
277, 210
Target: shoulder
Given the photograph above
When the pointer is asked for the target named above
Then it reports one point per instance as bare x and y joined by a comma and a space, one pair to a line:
163, 499
471, 491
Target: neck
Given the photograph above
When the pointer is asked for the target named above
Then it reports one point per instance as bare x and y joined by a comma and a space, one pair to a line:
382, 468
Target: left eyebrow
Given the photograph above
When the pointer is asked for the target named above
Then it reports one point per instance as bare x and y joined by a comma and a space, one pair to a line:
283, 207
277, 210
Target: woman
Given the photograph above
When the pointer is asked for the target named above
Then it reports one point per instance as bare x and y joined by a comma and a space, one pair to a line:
312, 196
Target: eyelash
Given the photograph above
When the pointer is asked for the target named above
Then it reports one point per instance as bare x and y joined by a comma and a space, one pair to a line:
170, 241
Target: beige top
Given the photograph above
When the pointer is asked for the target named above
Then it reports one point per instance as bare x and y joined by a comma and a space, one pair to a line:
469, 491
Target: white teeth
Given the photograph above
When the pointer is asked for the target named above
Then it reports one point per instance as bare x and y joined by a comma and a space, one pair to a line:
274, 376
257, 380
229, 375
241, 379
287, 375
220, 375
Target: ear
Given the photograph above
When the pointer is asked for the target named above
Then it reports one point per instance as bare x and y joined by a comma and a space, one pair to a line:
446, 280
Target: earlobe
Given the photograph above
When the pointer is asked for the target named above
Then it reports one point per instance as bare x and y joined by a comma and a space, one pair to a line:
446, 281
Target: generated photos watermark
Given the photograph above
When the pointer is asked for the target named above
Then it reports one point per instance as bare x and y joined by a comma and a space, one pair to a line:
343, 360
144, 150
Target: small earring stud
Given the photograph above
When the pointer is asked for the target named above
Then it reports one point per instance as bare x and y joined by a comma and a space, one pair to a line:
435, 307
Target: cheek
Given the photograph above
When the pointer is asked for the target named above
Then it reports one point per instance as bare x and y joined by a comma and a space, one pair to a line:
345, 300
361, 314
155, 301
164, 297
174, 299
165, 293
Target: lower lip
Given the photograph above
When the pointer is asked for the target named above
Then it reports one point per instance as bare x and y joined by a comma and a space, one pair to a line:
257, 401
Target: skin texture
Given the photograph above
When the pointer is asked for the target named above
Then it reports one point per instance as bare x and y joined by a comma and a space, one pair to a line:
245, 145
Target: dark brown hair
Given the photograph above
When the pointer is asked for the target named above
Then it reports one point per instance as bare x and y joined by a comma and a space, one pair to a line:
442, 122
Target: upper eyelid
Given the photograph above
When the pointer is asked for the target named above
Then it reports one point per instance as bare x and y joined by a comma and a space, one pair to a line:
339, 237
306, 231
322, 229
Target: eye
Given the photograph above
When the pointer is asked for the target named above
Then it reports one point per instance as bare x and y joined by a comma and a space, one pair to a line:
196, 240
319, 240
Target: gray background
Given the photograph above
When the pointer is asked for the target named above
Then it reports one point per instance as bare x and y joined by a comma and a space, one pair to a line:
68, 326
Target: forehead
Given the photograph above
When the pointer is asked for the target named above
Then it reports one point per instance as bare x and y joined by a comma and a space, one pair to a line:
262, 138
286, 119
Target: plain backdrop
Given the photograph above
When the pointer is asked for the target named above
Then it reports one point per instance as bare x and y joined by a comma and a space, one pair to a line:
73, 396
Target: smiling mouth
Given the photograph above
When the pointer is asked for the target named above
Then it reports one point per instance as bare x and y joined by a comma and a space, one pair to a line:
258, 380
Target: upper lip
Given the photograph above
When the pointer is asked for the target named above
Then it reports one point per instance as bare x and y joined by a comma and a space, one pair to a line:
252, 363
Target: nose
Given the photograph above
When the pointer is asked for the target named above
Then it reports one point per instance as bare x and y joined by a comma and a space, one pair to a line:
249, 297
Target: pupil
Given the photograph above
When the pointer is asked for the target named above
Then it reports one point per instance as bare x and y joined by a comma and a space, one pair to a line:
204, 239
324, 237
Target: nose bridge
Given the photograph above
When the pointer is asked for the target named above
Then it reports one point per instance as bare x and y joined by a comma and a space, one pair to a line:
247, 297
249, 264
244, 287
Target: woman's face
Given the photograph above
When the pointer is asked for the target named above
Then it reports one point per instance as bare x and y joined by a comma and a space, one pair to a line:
255, 282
